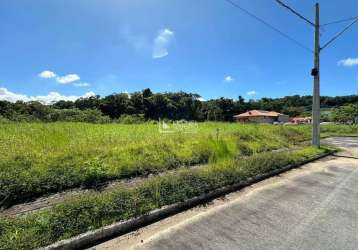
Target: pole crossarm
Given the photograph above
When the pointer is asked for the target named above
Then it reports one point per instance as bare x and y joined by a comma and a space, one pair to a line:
295, 12
339, 34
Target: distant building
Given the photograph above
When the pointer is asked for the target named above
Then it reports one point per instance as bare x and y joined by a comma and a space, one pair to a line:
261, 116
301, 120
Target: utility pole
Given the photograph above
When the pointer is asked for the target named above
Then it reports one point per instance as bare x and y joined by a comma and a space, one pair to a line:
316, 114
317, 50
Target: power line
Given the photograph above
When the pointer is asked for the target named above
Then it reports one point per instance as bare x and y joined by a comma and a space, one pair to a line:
308, 21
340, 21
339, 34
295, 12
269, 25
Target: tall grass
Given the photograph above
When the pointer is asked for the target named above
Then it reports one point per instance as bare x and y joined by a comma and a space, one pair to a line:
339, 130
40, 158
95, 210
36, 158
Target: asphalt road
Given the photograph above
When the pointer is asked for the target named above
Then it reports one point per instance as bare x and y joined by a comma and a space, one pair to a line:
314, 207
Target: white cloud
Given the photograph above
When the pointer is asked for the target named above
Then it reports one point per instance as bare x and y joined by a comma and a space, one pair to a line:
12, 97
349, 62
251, 93
47, 74
81, 84
47, 99
228, 79
201, 99
161, 43
68, 78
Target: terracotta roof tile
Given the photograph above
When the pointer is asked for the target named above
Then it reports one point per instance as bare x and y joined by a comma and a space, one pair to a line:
254, 113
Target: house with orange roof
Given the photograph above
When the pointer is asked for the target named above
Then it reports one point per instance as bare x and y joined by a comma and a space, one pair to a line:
261, 116
301, 120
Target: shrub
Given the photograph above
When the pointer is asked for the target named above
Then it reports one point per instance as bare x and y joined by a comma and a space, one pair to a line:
346, 114
94, 172
77, 115
4, 120
131, 119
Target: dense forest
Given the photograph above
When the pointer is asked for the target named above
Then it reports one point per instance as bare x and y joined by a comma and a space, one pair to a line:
146, 105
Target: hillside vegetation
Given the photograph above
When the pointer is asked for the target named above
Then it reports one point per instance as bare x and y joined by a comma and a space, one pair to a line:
145, 105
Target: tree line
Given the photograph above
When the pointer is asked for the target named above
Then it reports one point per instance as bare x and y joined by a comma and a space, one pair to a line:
146, 105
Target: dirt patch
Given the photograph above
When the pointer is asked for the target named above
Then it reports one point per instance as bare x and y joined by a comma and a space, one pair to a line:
48, 201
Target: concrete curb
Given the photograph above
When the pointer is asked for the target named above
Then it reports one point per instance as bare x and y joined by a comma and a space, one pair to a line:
105, 233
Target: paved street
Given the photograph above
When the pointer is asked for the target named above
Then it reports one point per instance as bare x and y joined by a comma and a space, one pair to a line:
314, 207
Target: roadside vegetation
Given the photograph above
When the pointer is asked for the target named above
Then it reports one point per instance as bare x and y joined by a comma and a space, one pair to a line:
94, 210
36, 159
338, 130
346, 114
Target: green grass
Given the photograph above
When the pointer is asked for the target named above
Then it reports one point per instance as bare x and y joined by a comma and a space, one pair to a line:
92, 211
339, 130
37, 159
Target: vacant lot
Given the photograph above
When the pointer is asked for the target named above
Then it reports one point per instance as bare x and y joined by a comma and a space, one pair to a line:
37, 159
40, 158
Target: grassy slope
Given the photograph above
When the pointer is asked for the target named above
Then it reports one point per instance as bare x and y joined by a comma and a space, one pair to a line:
92, 211
39, 158
39, 145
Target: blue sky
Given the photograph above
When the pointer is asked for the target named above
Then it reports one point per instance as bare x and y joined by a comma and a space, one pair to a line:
203, 46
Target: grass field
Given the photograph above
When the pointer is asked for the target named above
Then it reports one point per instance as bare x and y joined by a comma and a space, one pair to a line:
40, 158
91, 211
36, 159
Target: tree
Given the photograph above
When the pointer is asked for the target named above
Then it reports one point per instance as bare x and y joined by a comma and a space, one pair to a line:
92, 102
293, 111
171, 105
64, 105
147, 93
115, 105
136, 103
39, 111
346, 114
